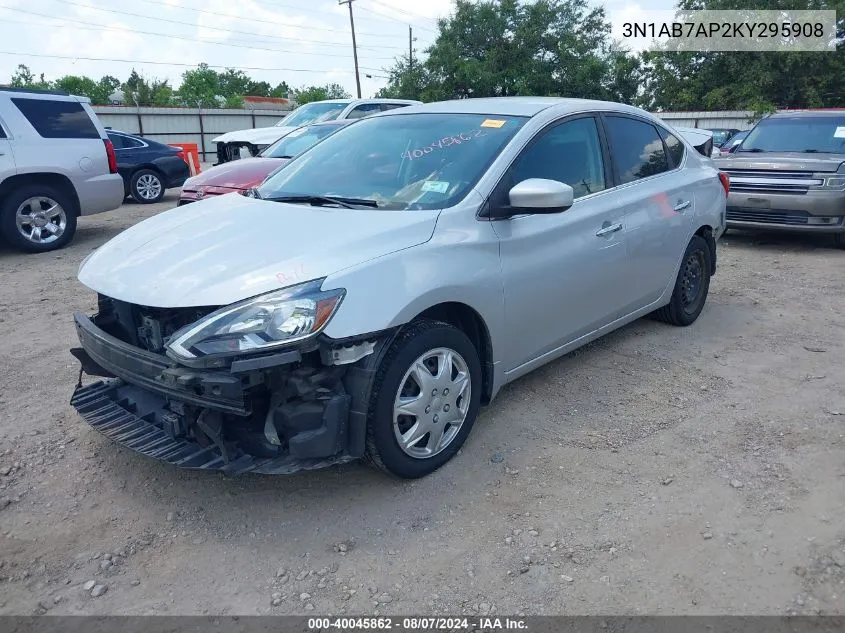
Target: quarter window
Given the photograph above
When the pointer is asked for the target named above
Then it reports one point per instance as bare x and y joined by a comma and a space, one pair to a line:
363, 110
636, 148
674, 147
569, 153
57, 119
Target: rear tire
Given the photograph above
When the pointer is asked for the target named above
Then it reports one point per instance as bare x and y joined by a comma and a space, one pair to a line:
425, 399
839, 240
37, 219
691, 286
146, 186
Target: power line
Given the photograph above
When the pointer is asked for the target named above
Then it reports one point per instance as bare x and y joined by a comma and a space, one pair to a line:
424, 28
154, 63
264, 20
404, 12
284, 5
102, 27
194, 25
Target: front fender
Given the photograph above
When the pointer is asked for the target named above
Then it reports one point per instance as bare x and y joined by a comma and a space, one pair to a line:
459, 264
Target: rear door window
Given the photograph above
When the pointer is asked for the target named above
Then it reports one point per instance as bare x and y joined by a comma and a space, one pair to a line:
636, 148
57, 119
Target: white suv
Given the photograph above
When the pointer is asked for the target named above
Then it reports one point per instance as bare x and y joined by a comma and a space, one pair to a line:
56, 163
245, 143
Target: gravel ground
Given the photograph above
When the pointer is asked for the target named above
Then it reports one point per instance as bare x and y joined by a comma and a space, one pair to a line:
659, 470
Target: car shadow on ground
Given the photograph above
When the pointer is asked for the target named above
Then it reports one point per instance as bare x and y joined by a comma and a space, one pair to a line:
776, 241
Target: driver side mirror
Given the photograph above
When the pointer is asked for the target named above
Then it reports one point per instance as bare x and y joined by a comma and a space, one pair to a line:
536, 196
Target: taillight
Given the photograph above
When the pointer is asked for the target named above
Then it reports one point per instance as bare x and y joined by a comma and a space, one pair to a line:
726, 182
111, 156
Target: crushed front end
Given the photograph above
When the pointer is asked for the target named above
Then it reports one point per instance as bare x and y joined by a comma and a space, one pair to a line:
296, 408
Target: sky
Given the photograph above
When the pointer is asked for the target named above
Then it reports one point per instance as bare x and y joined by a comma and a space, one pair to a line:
302, 42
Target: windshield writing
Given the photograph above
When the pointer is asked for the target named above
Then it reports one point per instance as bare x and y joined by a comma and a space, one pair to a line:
401, 161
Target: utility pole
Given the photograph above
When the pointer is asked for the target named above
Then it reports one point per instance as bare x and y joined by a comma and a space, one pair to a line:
354, 45
410, 48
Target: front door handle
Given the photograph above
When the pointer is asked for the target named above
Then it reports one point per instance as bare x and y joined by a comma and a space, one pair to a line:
607, 229
682, 206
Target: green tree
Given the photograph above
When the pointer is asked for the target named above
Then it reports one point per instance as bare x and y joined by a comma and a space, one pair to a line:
23, 77
137, 90
405, 81
233, 83
200, 87
505, 47
281, 91
320, 93
758, 81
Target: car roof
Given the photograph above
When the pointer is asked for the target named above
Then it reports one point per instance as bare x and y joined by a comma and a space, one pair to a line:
357, 101
807, 114
514, 106
332, 123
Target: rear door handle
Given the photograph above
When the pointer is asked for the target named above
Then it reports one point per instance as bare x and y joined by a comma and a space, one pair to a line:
608, 229
682, 206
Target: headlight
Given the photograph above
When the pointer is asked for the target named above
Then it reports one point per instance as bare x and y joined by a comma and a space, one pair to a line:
258, 324
836, 182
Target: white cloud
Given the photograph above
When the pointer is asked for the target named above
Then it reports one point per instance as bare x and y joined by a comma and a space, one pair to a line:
310, 35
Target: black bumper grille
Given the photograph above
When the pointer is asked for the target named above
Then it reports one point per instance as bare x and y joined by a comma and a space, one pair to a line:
109, 407
767, 216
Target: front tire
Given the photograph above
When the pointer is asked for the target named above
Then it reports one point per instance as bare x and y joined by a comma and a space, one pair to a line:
146, 186
691, 286
425, 399
37, 219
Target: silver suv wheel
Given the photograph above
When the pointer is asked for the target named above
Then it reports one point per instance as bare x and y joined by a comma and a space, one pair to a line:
41, 220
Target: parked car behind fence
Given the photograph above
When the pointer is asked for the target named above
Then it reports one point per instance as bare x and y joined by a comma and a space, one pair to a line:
148, 168
246, 143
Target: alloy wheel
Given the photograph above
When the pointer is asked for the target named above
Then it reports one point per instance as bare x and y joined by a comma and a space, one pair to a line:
41, 220
148, 186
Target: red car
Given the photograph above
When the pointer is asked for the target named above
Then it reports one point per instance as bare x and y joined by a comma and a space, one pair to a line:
243, 174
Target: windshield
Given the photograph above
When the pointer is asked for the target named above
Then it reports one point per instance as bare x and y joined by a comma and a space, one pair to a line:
403, 161
313, 113
720, 136
797, 134
298, 141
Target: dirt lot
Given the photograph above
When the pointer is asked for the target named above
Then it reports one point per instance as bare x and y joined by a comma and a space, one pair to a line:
659, 470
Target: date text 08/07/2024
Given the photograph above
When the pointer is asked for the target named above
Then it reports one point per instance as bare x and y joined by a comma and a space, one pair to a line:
417, 624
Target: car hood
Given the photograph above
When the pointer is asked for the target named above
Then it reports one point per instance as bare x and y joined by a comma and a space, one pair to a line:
231, 247
256, 136
237, 174
782, 161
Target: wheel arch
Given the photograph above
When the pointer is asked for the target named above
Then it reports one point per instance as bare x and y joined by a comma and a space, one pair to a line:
471, 323
706, 232
36, 179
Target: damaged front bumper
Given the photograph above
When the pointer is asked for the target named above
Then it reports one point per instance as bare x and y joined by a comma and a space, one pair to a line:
272, 415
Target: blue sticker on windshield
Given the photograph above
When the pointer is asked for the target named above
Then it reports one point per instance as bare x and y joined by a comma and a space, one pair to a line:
437, 186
